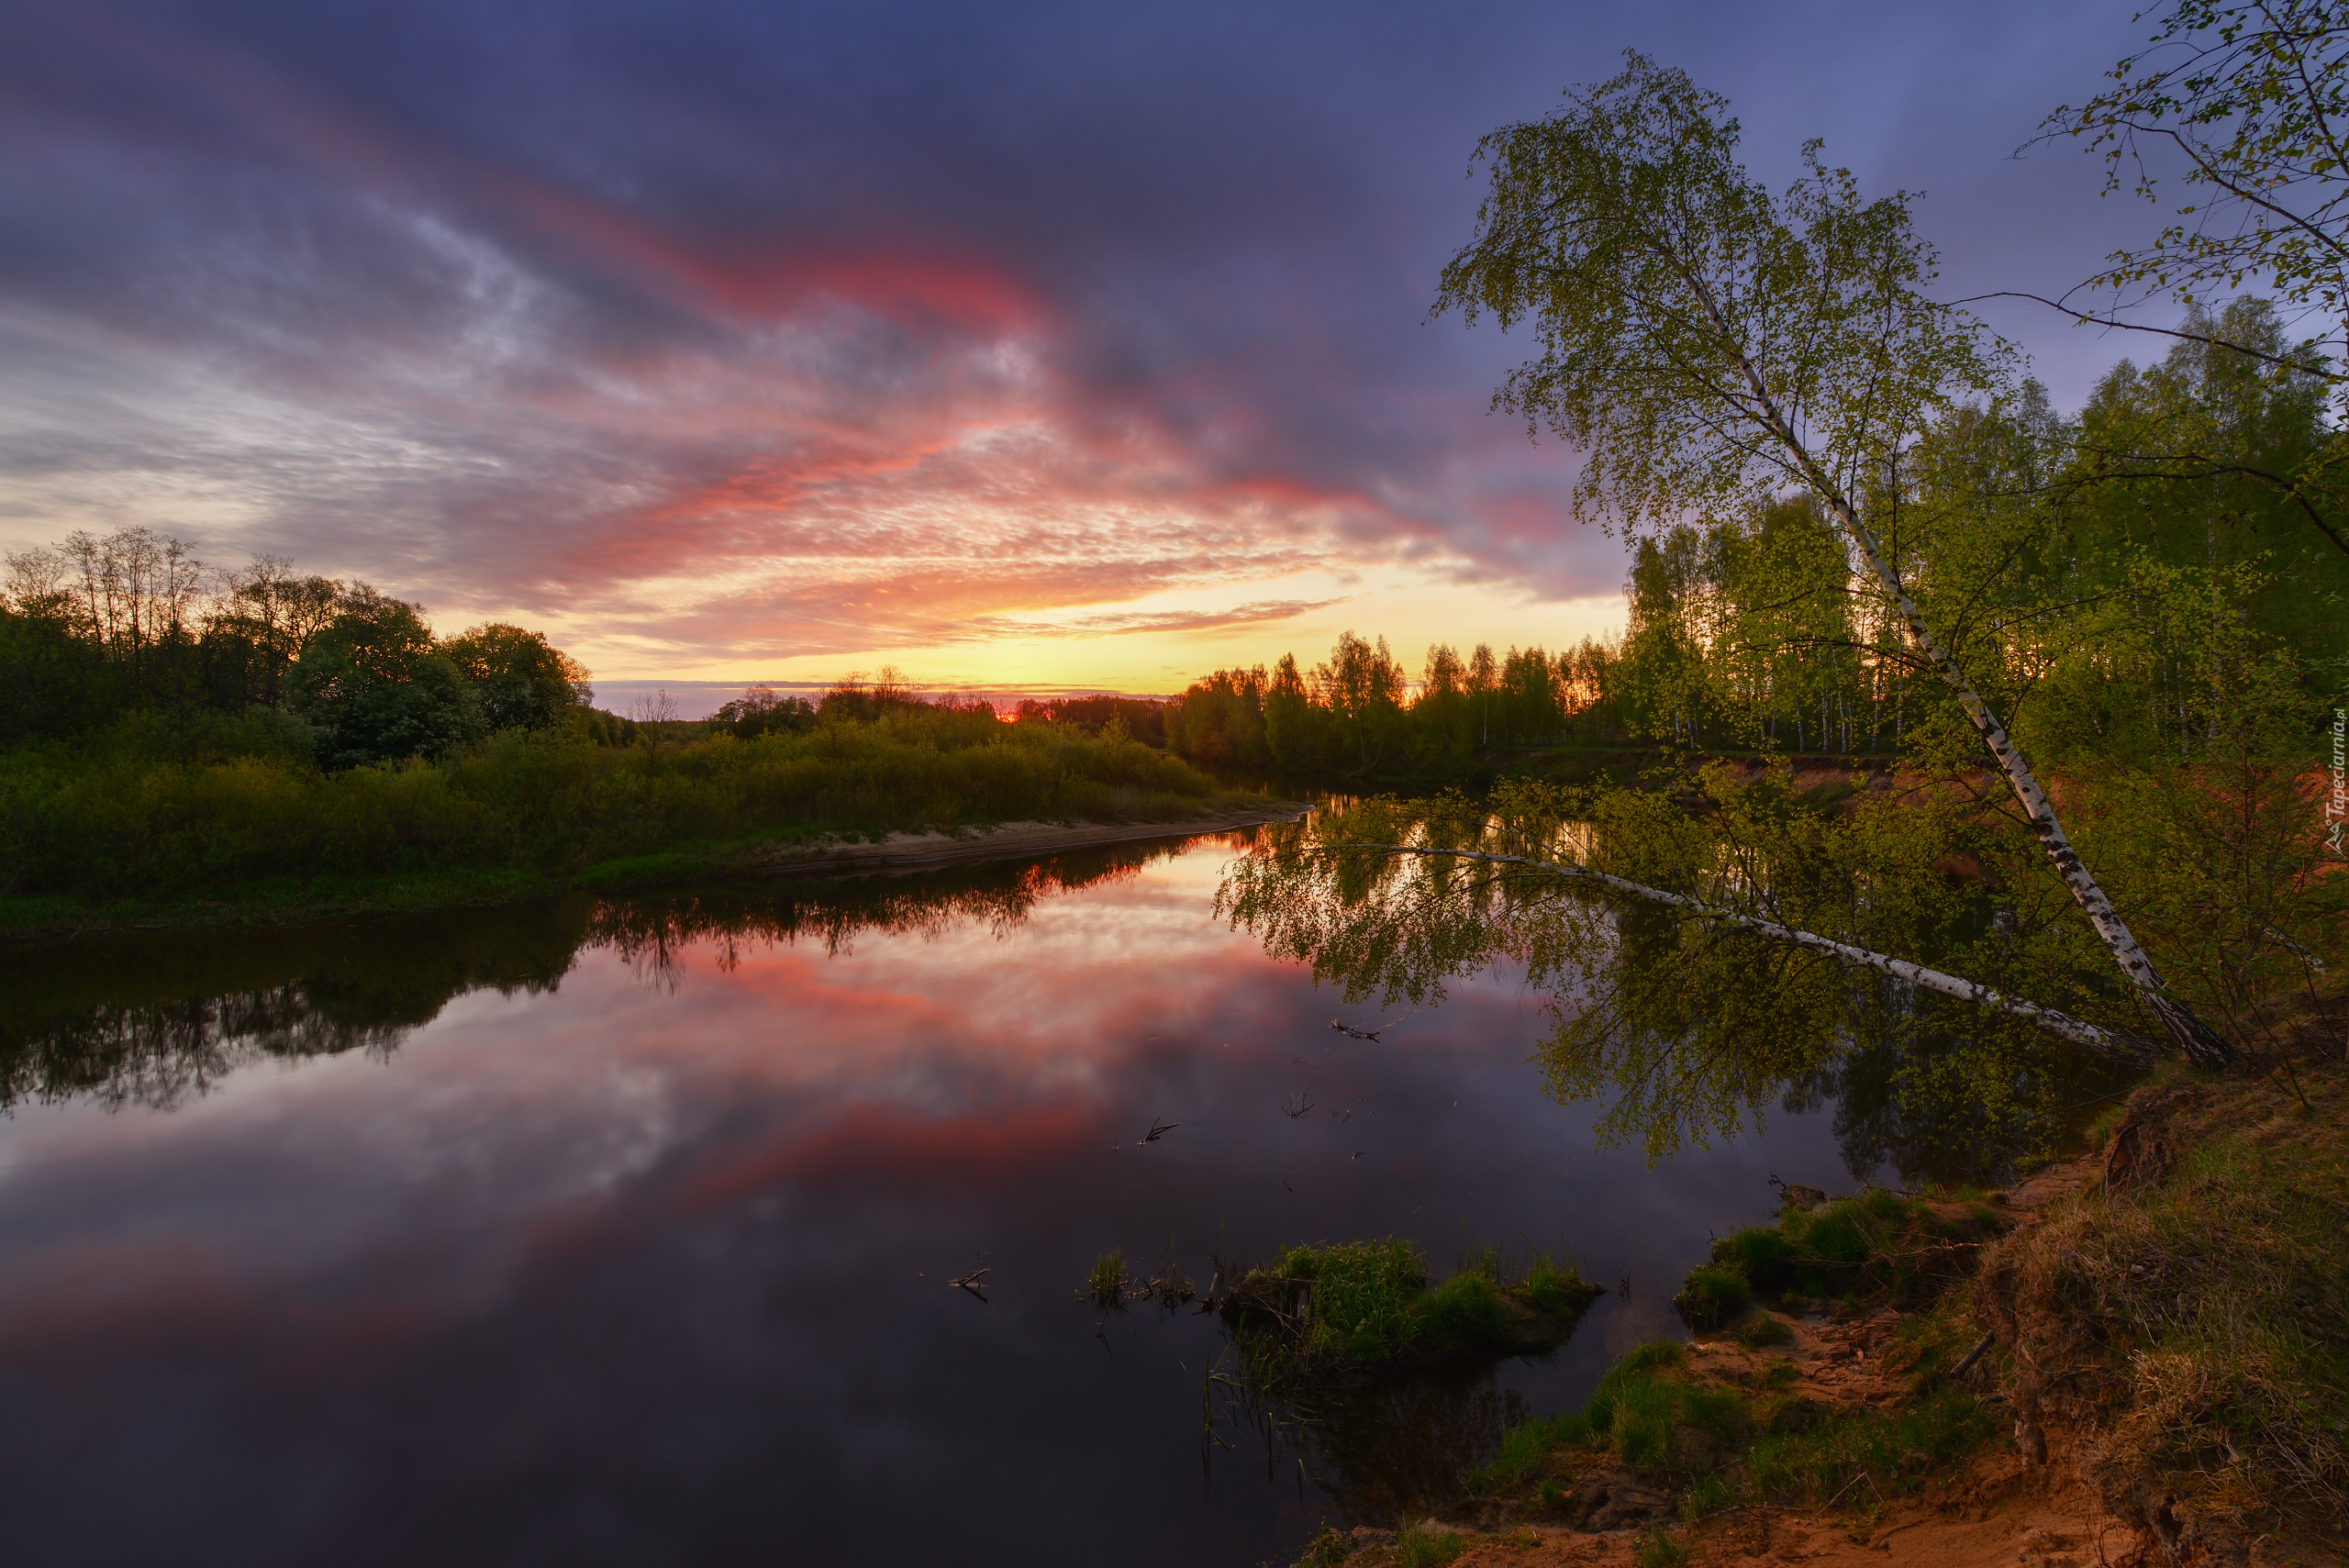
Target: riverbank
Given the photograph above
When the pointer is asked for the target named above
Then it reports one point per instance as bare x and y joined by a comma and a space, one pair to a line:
734, 862
2139, 1356
146, 824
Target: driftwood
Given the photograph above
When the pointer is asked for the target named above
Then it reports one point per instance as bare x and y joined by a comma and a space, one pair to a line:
1967, 1365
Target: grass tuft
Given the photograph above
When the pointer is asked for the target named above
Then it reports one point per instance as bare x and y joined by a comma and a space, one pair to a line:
1712, 1295
1660, 1550
1420, 1547
1105, 1286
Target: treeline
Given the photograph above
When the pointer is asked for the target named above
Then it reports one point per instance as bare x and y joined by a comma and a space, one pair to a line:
280, 739
1362, 715
2150, 575
95, 630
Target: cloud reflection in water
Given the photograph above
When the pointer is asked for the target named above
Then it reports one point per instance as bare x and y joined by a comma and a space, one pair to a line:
625, 1239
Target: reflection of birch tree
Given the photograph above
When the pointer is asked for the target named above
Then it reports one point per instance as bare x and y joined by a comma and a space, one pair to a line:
1711, 345
1702, 951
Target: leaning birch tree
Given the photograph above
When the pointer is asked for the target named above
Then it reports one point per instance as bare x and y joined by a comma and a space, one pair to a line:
1711, 345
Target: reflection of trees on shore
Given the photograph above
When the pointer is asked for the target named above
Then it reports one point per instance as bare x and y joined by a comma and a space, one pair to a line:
649, 932
1397, 1452
1688, 1023
161, 1056
156, 1019
1915, 1091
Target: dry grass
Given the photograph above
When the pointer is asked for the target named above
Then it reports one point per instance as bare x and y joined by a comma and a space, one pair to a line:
2188, 1316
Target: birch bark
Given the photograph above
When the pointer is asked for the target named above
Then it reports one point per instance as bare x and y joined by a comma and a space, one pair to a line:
2196, 1038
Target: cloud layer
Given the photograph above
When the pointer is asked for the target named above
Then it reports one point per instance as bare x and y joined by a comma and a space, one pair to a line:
750, 338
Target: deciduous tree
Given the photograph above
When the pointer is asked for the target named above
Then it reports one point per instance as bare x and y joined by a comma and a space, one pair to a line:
1712, 345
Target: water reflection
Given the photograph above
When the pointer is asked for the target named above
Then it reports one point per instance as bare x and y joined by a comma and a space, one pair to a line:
1392, 1451
151, 1018
621, 1232
154, 1018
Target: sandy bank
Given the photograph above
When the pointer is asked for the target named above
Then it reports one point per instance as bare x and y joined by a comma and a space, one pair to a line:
1003, 840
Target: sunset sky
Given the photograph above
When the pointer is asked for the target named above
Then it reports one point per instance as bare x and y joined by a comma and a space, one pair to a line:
1021, 346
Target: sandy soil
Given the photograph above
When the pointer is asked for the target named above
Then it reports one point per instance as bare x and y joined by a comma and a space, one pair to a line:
1004, 841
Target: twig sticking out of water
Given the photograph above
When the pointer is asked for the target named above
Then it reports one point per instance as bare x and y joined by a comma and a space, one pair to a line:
1157, 1131
1304, 1104
973, 1282
1351, 1033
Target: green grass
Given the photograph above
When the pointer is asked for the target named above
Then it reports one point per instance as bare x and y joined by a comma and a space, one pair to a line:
125, 827
1419, 1547
1811, 1458
1365, 1306
1720, 1440
1875, 1243
1762, 1331
1105, 1286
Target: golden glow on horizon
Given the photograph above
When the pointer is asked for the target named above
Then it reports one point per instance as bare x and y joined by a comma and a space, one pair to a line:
1384, 603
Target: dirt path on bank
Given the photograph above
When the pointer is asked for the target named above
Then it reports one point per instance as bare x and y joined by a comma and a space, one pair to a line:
1003, 840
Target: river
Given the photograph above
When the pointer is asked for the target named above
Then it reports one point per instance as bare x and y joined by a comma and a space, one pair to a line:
622, 1233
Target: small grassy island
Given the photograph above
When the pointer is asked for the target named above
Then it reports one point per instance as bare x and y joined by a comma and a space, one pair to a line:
1328, 1312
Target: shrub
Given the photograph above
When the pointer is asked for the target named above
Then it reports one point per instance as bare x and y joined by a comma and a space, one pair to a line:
1712, 1295
166, 808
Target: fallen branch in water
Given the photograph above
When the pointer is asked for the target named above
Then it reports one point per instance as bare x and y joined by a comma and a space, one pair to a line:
2079, 1031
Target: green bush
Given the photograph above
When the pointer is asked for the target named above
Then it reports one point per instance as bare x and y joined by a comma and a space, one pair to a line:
1712, 1295
1827, 1251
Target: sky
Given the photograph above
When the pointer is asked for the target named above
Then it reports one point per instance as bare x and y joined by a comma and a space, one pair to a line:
1022, 347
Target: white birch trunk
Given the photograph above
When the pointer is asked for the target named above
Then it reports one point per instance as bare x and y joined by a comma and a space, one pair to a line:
2190, 1034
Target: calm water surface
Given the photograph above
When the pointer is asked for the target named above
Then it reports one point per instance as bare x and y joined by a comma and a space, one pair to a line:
619, 1234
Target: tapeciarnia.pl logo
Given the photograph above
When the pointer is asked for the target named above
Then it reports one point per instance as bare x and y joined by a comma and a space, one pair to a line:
2337, 807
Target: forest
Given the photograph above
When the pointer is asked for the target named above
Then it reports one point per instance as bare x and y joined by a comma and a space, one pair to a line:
2139, 606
